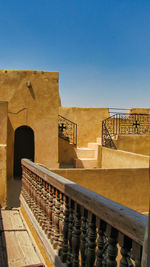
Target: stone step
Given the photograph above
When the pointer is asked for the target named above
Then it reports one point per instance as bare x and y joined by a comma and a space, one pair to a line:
93, 145
87, 163
86, 152
115, 137
99, 140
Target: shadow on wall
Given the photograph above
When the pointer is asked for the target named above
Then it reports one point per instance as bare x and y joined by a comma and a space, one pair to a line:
13, 193
67, 154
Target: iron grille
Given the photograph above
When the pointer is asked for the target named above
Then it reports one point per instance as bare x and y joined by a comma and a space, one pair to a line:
124, 124
67, 130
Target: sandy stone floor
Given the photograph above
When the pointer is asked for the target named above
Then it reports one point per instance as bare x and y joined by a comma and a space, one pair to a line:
16, 247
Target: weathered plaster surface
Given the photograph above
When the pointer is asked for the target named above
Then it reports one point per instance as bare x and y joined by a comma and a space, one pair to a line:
129, 187
66, 152
134, 143
35, 106
89, 122
139, 110
113, 159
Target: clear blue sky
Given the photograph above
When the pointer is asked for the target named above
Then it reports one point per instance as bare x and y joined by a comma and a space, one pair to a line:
101, 48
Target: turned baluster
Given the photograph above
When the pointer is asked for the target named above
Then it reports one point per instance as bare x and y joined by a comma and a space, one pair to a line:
61, 222
76, 236
36, 195
23, 188
126, 245
70, 229
52, 235
91, 240
27, 187
112, 249
50, 212
101, 225
43, 205
47, 222
64, 219
83, 244
137, 253
39, 199
56, 220
32, 191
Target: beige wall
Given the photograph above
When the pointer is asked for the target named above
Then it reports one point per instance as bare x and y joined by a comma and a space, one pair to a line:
129, 187
66, 152
112, 159
3, 153
139, 110
89, 122
134, 143
36, 107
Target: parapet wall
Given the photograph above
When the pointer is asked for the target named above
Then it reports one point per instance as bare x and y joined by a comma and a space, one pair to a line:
112, 159
129, 187
134, 143
139, 110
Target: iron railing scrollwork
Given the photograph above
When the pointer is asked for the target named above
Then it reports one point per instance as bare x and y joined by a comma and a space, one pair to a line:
107, 140
124, 124
67, 130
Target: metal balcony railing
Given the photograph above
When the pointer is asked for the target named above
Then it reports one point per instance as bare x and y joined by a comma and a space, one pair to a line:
124, 124
67, 130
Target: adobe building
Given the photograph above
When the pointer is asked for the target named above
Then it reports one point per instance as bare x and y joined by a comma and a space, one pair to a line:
32, 118
29, 107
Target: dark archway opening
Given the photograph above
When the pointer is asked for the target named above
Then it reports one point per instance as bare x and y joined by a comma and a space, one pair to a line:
23, 148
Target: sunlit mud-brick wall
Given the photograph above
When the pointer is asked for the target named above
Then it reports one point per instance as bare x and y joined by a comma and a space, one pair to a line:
33, 101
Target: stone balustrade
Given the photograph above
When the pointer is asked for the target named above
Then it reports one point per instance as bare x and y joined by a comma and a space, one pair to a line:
83, 227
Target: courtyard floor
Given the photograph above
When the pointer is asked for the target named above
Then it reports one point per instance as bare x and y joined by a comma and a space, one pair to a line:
16, 246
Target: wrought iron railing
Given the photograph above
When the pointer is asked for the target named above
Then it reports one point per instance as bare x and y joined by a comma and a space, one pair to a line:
124, 124
107, 140
84, 228
67, 130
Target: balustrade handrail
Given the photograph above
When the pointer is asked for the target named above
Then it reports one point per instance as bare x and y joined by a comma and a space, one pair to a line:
127, 221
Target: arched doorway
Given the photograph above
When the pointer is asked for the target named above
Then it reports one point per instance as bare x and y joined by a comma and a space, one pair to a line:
23, 148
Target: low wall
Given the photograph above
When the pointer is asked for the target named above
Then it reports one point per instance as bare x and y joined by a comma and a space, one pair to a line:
139, 110
129, 187
113, 159
66, 152
89, 122
134, 143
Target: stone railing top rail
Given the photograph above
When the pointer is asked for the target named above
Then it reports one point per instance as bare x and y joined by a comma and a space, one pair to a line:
124, 219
